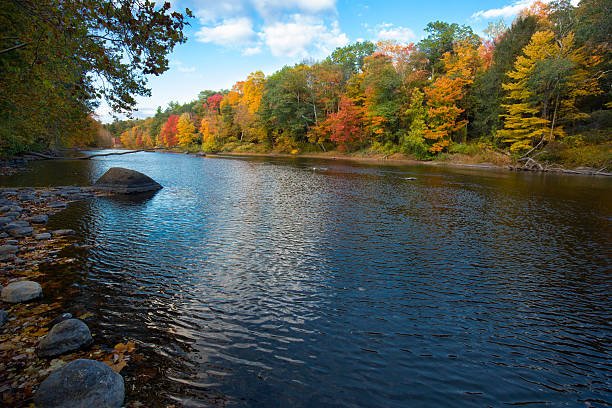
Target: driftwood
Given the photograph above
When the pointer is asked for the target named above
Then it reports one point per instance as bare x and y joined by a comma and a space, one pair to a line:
530, 164
48, 157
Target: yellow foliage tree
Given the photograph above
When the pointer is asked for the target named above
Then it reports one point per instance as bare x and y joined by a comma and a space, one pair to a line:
446, 92
544, 87
185, 130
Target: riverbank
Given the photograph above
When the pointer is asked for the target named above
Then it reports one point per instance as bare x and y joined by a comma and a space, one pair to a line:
498, 161
28, 249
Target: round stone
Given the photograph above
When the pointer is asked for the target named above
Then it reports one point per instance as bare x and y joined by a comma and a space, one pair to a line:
22, 291
68, 335
81, 384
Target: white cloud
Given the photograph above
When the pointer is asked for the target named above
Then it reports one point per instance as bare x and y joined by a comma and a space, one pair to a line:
390, 32
180, 67
510, 10
267, 7
208, 11
302, 36
232, 32
251, 50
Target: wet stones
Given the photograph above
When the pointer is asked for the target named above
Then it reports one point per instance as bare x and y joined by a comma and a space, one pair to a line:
62, 232
68, 335
22, 291
81, 383
125, 181
42, 236
39, 219
21, 232
8, 252
57, 204
3, 317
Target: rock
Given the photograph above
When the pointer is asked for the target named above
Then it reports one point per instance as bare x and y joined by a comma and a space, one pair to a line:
22, 291
66, 336
8, 252
62, 232
81, 384
16, 224
39, 219
3, 317
21, 232
125, 181
3, 235
57, 204
8, 249
12, 242
42, 236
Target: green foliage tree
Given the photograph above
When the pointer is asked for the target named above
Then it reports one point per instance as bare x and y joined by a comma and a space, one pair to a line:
59, 59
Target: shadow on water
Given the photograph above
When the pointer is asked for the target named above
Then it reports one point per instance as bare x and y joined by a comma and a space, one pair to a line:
266, 282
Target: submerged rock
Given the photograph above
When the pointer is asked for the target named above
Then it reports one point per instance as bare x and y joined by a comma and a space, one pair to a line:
21, 232
22, 291
8, 252
62, 232
68, 335
39, 219
3, 317
126, 181
81, 384
42, 236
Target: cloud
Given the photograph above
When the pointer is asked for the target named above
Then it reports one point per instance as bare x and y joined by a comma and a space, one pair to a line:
509, 10
390, 32
210, 11
287, 28
268, 7
251, 50
234, 32
302, 36
180, 67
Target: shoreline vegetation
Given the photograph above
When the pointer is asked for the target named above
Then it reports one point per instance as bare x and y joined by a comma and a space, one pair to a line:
534, 96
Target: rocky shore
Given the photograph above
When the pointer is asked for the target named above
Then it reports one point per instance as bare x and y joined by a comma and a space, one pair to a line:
47, 356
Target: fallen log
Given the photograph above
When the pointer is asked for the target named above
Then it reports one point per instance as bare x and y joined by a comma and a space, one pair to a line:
48, 157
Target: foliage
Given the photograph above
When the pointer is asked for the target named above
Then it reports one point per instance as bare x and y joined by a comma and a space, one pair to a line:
58, 60
539, 79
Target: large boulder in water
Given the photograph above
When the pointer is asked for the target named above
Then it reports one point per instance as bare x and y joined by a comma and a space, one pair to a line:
126, 181
81, 384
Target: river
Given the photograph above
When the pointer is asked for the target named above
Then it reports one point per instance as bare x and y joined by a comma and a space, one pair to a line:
301, 282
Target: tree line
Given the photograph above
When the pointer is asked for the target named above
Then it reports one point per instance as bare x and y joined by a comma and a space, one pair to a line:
543, 79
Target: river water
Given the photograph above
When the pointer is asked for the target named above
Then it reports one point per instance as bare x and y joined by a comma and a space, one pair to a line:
308, 283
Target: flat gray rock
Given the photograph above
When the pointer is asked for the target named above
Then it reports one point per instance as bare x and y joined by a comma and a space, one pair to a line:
68, 335
17, 224
57, 204
42, 236
21, 232
125, 181
3, 317
62, 232
81, 384
8, 249
22, 291
39, 219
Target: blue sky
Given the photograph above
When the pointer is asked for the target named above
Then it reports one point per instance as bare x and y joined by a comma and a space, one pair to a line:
230, 39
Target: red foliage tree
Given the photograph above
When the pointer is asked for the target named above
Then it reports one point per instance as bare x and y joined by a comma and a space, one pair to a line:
345, 127
168, 134
214, 102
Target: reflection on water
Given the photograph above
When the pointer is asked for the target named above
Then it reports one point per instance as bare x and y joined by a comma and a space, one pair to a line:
266, 283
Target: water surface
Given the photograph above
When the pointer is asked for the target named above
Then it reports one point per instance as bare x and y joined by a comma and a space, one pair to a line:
298, 282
